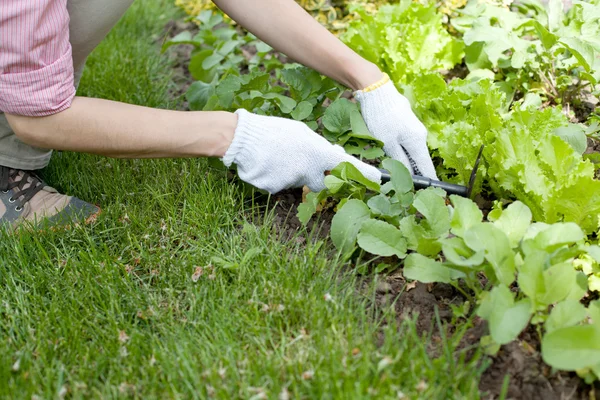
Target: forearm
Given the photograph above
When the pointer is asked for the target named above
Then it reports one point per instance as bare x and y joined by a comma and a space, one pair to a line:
285, 26
127, 131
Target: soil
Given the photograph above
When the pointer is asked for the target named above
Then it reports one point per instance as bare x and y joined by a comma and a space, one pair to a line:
529, 377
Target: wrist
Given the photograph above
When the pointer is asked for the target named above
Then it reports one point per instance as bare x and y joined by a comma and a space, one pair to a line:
362, 75
225, 126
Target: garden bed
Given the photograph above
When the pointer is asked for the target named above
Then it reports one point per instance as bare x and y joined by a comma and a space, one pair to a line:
517, 369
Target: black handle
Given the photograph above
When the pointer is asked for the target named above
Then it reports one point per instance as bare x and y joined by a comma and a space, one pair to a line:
421, 182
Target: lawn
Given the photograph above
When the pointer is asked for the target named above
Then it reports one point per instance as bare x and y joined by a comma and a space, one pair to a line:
131, 306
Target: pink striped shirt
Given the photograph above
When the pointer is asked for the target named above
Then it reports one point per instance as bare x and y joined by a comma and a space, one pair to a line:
36, 64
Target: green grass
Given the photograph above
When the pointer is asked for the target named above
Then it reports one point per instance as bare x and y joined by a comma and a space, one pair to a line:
111, 310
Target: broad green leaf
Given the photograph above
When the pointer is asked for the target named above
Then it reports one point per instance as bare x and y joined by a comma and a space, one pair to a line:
198, 94
572, 348
347, 171
381, 238
559, 280
346, 224
212, 61
226, 90
465, 215
184, 37
433, 207
426, 270
286, 104
573, 134
302, 111
228, 47
308, 208
530, 277
558, 235
337, 116
496, 247
583, 51
400, 178
381, 205
197, 70
514, 221
505, 317
372, 153
358, 125
333, 183
418, 237
564, 314
456, 252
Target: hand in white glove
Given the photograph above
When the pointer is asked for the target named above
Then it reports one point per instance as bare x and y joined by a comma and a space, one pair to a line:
390, 119
275, 153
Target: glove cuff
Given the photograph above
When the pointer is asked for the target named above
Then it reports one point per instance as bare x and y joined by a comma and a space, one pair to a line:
383, 90
244, 137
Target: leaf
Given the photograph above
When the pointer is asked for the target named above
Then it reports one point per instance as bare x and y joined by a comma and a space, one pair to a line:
286, 104
456, 252
426, 270
496, 247
337, 116
346, 224
358, 125
465, 215
302, 111
558, 235
347, 171
334, 184
505, 317
227, 89
573, 134
197, 70
514, 222
559, 280
212, 61
381, 238
308, 208
572, 348
381, 205
564, 314
184, 37
583, 52
400, 178
198, 94
433, 207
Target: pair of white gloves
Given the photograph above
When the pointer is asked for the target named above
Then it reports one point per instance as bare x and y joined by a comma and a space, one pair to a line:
274, 153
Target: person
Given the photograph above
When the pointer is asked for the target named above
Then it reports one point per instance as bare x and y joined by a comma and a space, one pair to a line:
43, 48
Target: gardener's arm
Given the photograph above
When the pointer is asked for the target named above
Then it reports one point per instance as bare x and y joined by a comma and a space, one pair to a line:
285, 26
288, 28
127, 131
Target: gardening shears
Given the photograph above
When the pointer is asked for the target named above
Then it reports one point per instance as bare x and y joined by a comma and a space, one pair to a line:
421, 182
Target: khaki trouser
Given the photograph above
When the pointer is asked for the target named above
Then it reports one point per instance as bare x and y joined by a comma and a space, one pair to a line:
91, 20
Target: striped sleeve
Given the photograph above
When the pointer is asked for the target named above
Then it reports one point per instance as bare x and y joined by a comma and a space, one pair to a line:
36, 64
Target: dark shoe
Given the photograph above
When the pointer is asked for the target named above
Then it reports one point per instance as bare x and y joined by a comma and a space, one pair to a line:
25, 198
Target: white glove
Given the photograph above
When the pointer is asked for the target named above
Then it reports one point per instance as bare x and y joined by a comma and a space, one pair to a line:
390, 119
274, 154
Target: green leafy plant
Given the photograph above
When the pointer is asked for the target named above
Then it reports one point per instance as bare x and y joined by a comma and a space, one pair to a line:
404, 39
541, 49
218, 49
531, 154
451, 243
295, 92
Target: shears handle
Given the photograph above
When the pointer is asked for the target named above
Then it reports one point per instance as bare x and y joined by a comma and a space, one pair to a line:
422, 182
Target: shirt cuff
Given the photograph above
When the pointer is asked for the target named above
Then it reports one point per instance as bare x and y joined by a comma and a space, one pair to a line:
44, 91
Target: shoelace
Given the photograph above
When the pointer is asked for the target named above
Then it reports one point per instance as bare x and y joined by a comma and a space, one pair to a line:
19, 179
